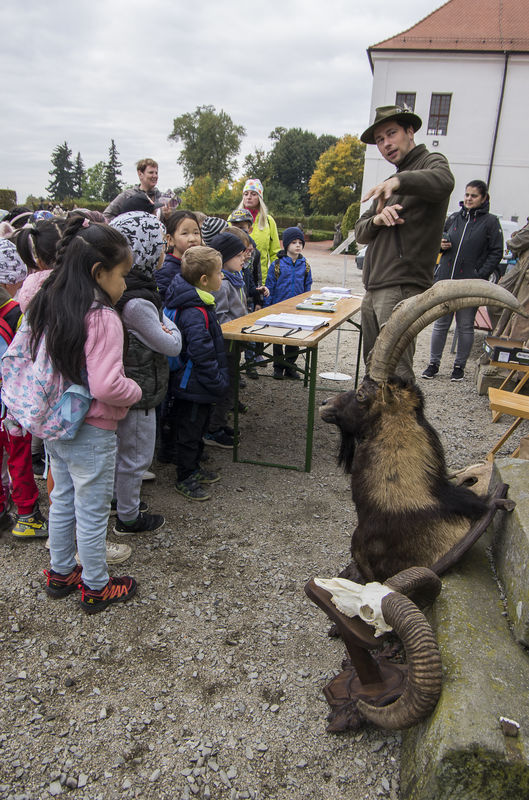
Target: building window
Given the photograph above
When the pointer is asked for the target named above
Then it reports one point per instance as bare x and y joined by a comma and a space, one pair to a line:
406, 100
439, 113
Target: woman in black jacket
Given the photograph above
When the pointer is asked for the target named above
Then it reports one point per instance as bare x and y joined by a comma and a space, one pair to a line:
472, 247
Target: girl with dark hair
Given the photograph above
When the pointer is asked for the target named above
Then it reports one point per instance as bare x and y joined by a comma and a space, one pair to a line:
471, 247
36, 244
73, 316
183, 231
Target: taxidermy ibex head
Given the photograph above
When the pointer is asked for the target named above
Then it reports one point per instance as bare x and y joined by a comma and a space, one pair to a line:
409, 514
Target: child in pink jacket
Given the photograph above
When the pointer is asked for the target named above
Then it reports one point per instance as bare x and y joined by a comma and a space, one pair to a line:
73, 315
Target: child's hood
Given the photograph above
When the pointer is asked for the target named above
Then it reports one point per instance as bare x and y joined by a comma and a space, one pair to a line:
144, 235
30, 287
182, 294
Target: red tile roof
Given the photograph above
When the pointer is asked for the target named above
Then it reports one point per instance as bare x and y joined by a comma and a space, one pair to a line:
470, 25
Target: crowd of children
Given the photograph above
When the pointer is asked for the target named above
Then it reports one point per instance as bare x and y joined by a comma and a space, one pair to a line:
132, 312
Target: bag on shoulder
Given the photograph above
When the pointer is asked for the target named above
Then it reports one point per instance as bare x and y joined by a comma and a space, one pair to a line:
37, 398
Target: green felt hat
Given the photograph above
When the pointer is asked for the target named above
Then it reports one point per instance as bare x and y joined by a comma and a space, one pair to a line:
387, 113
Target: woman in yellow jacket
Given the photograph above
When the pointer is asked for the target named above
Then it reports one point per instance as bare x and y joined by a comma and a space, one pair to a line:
264, 230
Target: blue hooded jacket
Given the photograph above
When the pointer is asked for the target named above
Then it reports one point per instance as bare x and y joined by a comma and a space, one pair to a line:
170, 268
287, 278
202, 375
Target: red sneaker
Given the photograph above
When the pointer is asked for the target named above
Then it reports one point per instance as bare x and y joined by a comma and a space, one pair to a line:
59, 585
117, 590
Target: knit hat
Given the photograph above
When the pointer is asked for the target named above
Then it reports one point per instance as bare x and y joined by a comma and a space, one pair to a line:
241, 215
289, 234
253, 185
228, 245
12, 268
144, 233
211, 227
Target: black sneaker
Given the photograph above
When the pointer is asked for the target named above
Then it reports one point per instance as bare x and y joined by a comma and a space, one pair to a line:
292, 374
202, 475
458, 373
117, 590
430, 371
252, 373
114, 507
143, 523
6, 520
278, 373
39, 465
219, 439
191, 489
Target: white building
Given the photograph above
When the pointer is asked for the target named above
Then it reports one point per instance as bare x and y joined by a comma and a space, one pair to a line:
464, 69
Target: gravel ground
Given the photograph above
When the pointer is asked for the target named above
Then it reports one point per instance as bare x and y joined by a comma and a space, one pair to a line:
209, 683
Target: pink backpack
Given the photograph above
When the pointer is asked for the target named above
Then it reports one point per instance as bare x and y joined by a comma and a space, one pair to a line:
36, 397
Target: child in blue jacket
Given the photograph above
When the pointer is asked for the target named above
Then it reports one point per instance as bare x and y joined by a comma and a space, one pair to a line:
288, 276
201, 378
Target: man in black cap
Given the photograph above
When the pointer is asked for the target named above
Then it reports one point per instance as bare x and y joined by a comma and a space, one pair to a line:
403, 226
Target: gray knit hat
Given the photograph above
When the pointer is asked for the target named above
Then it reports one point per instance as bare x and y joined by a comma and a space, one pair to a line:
211, 227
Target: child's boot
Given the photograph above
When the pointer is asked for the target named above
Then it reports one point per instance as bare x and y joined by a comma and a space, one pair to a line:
31, 526
58, 585
117, 590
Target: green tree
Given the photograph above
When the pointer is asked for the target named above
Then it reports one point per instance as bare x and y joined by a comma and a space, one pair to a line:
61, 183
293, 159
112, 182
197, 195
257, 165
210, 143
94, 181
337, 179
78, 176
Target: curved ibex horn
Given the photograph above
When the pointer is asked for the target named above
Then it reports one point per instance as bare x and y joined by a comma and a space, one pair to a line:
420, 584
412, 315
423, 685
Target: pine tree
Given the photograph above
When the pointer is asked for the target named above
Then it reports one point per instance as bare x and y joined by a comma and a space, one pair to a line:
61, 184
112, 185
78, 176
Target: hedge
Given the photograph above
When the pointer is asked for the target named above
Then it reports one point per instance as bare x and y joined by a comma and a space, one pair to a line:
315, 221
312, 235
8, 198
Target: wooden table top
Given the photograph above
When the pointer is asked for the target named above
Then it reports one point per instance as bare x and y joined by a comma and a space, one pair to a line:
346, 308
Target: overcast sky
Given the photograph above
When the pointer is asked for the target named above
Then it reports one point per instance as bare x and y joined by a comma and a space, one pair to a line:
87, 72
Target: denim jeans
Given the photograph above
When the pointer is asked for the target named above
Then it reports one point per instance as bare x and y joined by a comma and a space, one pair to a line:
465, 336
83, 472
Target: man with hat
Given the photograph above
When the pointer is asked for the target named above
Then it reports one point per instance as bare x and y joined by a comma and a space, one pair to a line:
403, 226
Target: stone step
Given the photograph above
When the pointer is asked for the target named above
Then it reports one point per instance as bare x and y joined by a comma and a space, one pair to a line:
461, 752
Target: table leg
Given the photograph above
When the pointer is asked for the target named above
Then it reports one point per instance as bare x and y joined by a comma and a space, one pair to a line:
358, 352
312, 354
238, 348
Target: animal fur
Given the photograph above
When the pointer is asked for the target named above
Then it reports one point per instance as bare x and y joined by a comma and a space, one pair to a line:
409, 514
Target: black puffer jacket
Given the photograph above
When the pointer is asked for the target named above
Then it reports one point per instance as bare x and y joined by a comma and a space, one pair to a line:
477, 244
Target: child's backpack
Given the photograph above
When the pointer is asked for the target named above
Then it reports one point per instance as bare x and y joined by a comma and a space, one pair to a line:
36, 397
175, 362
9, 316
